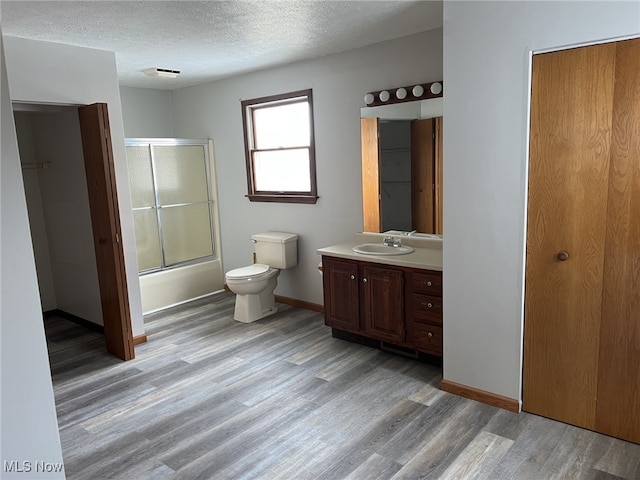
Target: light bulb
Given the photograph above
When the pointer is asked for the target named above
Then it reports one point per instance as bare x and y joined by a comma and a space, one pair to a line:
384, 96
401, 93
436, 88
369, 98
417, 91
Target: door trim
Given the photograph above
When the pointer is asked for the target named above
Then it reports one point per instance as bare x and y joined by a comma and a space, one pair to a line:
107, 233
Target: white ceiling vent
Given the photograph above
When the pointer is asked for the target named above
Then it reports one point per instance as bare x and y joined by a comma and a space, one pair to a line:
161, 72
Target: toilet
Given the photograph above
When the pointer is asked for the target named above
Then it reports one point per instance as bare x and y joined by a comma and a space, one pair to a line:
254, 285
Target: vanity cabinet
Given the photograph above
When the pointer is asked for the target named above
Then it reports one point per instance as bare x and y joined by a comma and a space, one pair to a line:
392, 304
364, 299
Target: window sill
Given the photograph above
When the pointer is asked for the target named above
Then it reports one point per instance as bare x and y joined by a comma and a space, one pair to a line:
283, 198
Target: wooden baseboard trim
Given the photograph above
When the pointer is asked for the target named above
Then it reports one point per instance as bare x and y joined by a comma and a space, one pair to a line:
293, 301
73, 318
300, 303
482, 396
138, 339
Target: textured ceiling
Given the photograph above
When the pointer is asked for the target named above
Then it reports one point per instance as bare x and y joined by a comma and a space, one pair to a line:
211, 40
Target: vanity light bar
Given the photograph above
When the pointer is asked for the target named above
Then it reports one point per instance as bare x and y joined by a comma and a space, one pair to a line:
409, 93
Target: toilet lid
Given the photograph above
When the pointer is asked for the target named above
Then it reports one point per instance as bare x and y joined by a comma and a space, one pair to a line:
250, 271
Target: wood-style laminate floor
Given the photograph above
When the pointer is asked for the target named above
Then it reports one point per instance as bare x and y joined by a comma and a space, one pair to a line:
211, 398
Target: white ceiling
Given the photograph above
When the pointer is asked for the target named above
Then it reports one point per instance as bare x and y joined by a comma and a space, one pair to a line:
215, 39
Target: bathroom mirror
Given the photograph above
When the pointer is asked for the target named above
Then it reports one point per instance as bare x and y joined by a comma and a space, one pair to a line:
402, 166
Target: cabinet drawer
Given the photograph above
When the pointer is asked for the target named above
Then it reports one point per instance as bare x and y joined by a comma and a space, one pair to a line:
427, 283
426, 308
427, 338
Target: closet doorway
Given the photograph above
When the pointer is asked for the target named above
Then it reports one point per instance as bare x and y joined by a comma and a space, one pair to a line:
582, 285
69, 180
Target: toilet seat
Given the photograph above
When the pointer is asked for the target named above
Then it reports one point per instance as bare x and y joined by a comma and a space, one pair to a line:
251, 272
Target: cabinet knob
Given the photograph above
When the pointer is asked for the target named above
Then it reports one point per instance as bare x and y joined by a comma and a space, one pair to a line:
353, 277
429, 334
429, 283
562, 256
365, 280
429, 305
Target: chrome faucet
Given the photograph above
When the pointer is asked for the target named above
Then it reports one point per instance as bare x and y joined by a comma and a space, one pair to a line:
408, 234
392, 242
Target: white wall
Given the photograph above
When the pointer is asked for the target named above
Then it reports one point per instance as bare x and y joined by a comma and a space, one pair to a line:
339, 83
36, 212
64, 207
27, 409
487, 49
146, 113
79, 76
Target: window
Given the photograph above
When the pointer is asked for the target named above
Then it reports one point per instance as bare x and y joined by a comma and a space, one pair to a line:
279, 145
172, 202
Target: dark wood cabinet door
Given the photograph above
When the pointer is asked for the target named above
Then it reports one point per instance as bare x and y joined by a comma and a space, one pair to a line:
341, 299
383, 294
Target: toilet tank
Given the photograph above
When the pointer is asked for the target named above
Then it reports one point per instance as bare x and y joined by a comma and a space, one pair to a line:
276, 249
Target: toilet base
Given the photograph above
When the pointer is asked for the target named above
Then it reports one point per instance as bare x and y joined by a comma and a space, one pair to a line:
252, 307
254, 296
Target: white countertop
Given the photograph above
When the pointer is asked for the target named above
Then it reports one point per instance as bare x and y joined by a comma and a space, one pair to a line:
428, 257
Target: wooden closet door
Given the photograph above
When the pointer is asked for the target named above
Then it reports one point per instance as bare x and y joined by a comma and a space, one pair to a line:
105, 223
618, 405
571, 121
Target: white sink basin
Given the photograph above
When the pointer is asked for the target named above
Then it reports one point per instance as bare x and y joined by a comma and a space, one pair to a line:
380, 249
